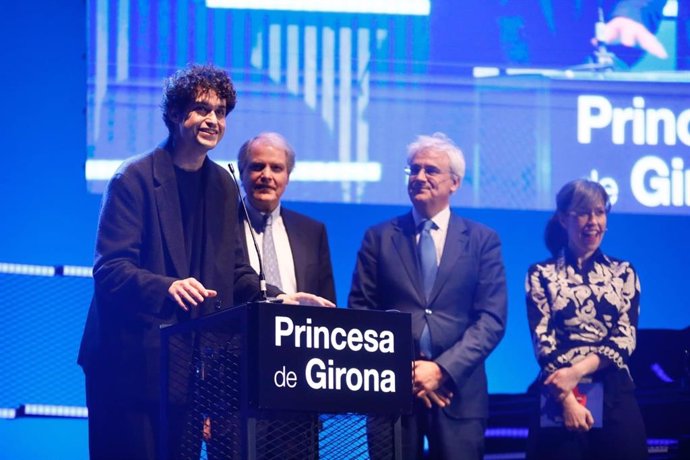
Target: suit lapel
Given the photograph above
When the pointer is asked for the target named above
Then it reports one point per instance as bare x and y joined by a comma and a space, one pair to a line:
169, 213
453, 248
298, 247
404, 242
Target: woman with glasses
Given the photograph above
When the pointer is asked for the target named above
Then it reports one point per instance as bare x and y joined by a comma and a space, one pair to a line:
582, 307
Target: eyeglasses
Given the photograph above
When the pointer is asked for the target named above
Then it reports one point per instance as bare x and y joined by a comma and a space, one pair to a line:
583, 214
431, 171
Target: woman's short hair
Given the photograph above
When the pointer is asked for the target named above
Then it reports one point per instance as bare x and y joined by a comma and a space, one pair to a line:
576, 194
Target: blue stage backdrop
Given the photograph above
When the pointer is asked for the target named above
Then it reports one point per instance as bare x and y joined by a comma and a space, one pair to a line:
350, 89
351, 83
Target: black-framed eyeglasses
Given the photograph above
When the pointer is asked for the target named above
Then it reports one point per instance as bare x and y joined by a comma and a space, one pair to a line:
432, 171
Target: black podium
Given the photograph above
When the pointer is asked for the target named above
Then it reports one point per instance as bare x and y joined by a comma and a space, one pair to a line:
273, 381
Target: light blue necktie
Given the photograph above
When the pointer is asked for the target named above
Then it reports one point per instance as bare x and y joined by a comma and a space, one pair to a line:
427, 256
427, 259
271, 269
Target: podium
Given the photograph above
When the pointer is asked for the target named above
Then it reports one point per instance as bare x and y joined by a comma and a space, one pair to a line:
273, 381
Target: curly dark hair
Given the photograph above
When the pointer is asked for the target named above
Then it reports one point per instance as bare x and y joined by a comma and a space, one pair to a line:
181, 89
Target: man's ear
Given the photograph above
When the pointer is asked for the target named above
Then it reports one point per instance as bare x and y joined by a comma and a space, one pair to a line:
457, 182
175, 117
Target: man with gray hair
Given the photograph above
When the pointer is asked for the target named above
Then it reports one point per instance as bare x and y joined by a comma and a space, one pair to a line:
295, 255
447, 272
294, 248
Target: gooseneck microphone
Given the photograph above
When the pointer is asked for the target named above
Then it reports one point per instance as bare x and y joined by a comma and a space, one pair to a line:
262, 276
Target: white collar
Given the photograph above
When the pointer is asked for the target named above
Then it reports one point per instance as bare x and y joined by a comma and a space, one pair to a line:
441, 219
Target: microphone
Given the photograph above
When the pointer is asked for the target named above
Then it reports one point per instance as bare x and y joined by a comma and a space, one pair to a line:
601, 59
262, 276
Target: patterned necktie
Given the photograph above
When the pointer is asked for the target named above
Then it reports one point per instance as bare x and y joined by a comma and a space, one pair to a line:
271, 269
427, 259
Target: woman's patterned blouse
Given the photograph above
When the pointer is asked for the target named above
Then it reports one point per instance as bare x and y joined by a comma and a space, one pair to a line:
573, 312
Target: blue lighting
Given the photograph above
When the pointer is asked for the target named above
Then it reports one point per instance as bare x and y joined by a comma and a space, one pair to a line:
7, 413
45, 270
500, 432
46, 410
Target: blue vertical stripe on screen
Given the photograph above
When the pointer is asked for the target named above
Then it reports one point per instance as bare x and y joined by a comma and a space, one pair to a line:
221, 37
398, 33
122, 51
164, 42
310, 65
258, 33
420, 43
200, 34
144, 56
238, 44
182, 33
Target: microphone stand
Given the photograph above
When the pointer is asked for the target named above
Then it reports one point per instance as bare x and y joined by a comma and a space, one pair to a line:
604, 59
262, 275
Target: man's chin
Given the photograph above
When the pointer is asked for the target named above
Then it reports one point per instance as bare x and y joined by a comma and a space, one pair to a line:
263, 196
263, 202
209, 140
419, 197
208, 145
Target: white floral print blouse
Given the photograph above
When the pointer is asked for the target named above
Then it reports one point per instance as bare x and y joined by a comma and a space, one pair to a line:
573, 312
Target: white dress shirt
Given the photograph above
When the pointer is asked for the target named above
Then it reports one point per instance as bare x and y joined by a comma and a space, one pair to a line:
437, 234
286, 264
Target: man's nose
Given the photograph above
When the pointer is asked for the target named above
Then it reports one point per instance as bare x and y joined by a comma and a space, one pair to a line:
211, 117
266, 172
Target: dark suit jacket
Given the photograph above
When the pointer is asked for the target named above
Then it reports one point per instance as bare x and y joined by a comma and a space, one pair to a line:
140, 251
468, 302
310, 252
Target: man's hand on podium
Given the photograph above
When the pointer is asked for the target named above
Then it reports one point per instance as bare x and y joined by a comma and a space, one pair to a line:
189, 292
304, 298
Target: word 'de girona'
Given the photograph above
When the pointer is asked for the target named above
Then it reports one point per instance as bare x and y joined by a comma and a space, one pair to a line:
325, 375
654, 181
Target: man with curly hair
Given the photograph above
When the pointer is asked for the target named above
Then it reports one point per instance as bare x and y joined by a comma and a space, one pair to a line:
166, 252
